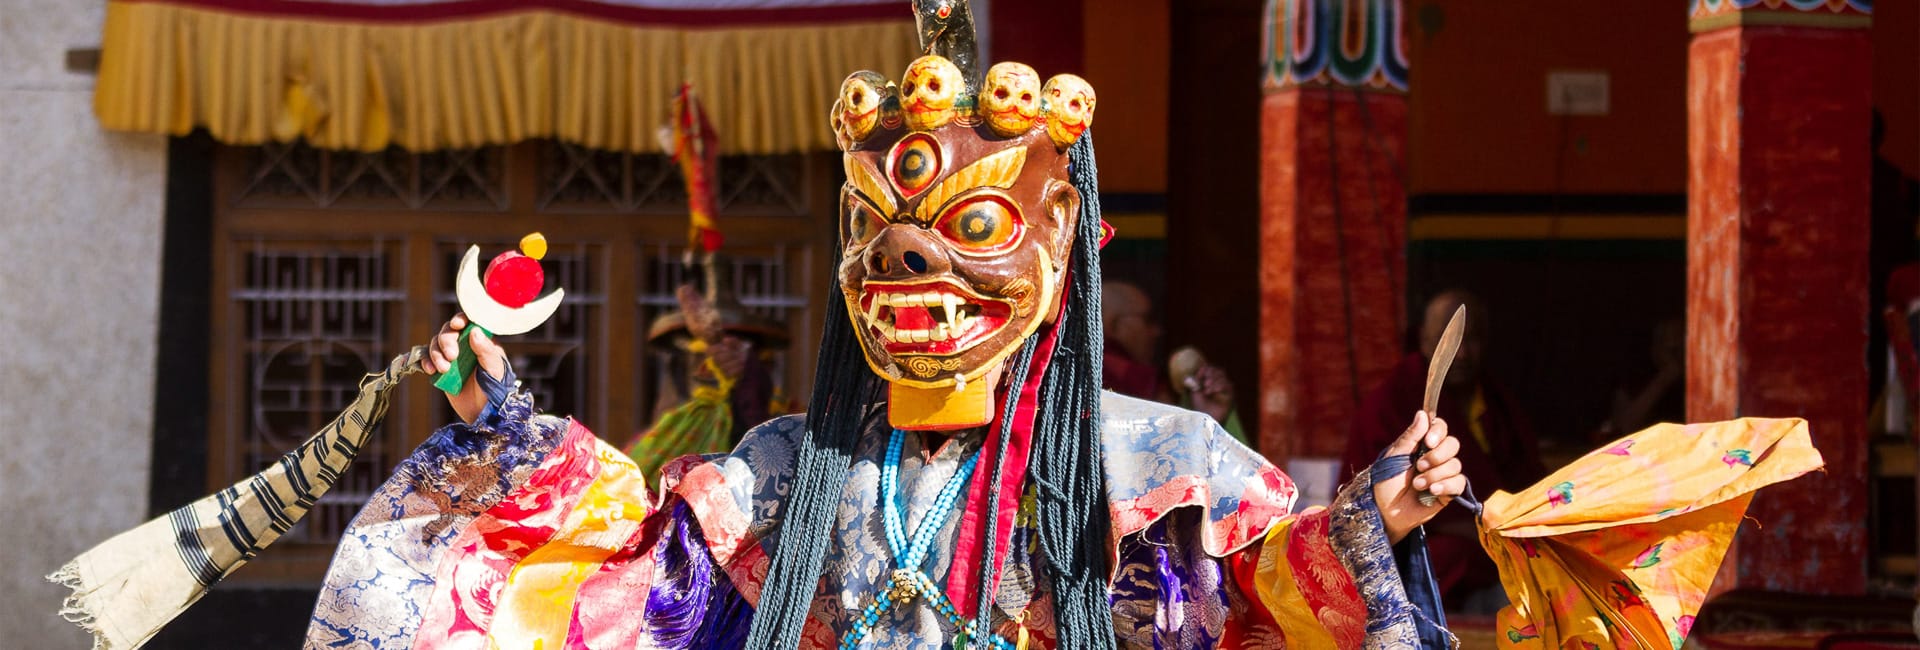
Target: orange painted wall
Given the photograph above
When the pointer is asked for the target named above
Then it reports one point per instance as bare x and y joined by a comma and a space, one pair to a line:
1479, 122
1126, 61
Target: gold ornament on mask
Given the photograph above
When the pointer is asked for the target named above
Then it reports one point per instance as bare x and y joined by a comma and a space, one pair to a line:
926, 367
1020, 291
868, 184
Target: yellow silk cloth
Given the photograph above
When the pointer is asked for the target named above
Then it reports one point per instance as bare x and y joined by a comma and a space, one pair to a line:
1618, 549
471, 82
537, 603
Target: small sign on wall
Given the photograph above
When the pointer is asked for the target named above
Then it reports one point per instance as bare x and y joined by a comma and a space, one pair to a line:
1571, 92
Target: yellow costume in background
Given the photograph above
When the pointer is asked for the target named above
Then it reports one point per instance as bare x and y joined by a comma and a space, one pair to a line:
703, 425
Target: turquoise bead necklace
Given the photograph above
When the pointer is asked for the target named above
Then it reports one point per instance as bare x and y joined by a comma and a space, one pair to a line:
909, 580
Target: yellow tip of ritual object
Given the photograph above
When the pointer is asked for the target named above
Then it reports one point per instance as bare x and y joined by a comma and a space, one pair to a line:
534, 245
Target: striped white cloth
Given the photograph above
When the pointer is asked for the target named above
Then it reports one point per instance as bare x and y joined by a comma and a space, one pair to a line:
130, 586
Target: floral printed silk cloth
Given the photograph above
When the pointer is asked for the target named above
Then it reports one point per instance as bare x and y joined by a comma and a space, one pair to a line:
1618, 548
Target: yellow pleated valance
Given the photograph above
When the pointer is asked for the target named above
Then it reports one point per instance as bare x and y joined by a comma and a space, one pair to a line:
533, 70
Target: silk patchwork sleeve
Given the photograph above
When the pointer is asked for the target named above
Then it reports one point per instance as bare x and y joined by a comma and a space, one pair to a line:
517, 575
382, 573
1304, 586
1330, 579
1295, 587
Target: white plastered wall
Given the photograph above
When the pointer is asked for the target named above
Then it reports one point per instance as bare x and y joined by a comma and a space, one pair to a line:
80, 230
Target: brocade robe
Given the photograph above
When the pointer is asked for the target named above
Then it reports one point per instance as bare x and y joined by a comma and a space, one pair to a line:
527, 531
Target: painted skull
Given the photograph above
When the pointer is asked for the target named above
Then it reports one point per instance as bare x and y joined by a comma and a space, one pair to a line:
953, 249
928, 92
858, 110
1070, 102
1010, 98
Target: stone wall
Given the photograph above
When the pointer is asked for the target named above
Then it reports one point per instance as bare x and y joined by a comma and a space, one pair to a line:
80, 224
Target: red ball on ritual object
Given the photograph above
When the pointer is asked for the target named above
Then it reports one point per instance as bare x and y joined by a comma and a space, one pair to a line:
513, 279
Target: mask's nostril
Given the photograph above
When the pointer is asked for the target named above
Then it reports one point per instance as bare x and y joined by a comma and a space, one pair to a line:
877, 264
914, 262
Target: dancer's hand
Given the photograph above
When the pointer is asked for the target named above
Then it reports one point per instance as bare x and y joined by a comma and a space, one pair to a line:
445, 347
1438, 470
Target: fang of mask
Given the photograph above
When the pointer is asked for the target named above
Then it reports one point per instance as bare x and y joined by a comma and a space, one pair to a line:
1010, 98
862, 98
1069, 108
928, 92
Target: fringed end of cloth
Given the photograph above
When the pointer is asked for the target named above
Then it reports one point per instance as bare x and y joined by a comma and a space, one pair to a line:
127, 588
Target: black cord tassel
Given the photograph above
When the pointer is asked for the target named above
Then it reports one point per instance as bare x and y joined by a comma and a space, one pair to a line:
1073, 517
844, 389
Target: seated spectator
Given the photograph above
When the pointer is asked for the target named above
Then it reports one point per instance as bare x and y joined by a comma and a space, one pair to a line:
1132, 339
1498, 450
1131, 367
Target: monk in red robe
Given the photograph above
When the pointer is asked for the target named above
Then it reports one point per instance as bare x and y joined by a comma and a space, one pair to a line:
1498, 450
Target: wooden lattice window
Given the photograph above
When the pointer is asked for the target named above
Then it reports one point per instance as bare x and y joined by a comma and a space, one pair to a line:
326, 264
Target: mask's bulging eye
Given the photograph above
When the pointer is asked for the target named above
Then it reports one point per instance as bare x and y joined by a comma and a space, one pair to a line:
985, 223
862, 222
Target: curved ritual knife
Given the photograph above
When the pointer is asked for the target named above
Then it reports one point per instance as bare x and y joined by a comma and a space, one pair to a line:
1437, 377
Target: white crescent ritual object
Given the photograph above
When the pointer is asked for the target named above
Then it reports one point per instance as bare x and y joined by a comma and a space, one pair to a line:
484, 311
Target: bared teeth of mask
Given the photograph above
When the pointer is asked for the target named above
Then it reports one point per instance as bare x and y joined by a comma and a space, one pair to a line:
940, 332
921, 336
951, 304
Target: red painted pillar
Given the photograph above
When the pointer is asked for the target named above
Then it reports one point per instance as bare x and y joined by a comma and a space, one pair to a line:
1777, 226
1333, 215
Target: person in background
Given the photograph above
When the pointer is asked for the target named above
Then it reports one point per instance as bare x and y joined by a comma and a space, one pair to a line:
1133, 338
1129, 366
1655, 395
723, 386
1498, 450
1204, 387
1896, 211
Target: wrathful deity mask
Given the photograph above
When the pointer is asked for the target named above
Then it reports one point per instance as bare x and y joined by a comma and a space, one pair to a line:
956, 220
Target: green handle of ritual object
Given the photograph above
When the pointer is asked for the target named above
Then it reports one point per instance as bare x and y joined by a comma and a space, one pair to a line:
456, 377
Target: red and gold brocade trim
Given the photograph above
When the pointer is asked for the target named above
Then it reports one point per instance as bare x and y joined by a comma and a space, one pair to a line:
1255, 509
